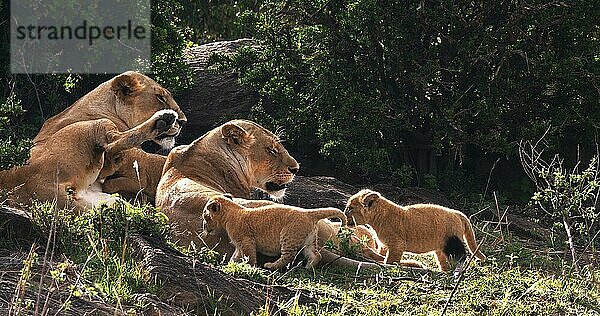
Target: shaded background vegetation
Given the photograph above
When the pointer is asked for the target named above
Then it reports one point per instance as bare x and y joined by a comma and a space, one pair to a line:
430, 93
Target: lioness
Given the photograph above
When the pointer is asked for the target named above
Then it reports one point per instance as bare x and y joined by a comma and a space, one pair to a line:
126, 101
233, 158
419, 228
71, 168
272, 230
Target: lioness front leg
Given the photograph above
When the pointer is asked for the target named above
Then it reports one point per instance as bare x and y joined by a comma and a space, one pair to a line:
161, 122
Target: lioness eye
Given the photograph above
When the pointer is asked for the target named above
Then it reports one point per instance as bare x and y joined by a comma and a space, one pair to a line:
273, 151
161, 98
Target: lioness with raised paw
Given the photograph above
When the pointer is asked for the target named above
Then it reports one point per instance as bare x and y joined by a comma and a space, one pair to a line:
418, 228
272, 230
81, 151
72, 168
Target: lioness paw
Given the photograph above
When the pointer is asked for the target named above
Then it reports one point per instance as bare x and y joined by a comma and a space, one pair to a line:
165, 120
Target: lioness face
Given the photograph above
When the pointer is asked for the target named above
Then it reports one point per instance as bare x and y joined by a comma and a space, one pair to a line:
361, 207
271, 166
140, 97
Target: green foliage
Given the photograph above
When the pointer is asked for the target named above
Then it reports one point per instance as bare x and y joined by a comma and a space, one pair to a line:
244, 270
346, 247
14, 150
374, 86
517, 279
208, 21
570, 195
204, 254
169, 42
96, 239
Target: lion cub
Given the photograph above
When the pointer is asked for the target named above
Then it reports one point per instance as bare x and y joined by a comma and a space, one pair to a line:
272, 230
418, 228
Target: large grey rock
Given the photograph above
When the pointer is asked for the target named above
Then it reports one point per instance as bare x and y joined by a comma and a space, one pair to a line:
321, 191
215, 97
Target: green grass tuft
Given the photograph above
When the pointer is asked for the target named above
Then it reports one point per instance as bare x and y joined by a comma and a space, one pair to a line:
96, 241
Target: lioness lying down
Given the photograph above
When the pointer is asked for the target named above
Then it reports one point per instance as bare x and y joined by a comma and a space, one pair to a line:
233, 158
272, 230
419, 228
127, 100
72, 167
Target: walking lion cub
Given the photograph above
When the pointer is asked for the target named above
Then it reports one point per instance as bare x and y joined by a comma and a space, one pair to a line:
272, 230
418, 228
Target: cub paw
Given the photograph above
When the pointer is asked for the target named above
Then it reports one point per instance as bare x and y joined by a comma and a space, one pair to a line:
165, 120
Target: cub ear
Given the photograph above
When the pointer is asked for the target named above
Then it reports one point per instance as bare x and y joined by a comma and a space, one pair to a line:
124, 84
370, 198
235, 134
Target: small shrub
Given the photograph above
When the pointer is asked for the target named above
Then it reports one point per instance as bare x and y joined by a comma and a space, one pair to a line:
345, 246
245, 271
567, 197
14, 147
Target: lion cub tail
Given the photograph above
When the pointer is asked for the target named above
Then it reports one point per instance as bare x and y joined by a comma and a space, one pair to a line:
470, 238
322, 213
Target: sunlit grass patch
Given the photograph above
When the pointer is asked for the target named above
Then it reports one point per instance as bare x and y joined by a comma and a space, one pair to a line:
95, 243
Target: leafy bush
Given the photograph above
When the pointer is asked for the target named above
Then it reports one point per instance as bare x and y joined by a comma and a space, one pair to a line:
375, 86
14, 150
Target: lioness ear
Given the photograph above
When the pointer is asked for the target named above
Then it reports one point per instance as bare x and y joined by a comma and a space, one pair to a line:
124, 84
234, 134
370, 198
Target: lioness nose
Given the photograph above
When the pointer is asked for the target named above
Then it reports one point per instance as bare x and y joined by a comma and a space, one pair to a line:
293, 170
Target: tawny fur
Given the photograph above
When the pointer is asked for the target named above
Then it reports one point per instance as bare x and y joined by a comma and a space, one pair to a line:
136, 184
273, 230
70, 172
127, 100
233, 158
361, 235
419, 228
67, 161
